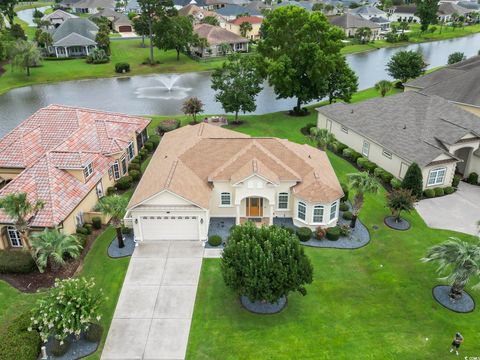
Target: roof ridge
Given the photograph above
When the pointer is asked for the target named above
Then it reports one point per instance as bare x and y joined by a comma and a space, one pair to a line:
170, 174
230, 161
278, 161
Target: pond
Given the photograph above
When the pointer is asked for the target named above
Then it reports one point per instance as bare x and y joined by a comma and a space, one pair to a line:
164, 94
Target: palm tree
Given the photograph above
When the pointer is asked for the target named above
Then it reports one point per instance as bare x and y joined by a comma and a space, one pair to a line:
21, 211
322, 137
114, 206
403, 26
383, 86
25, 55
363, 34
361, 183
459, 260
245, 27
51, 245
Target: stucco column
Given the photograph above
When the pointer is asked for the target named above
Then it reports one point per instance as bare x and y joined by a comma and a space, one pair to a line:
56, 52
271, 214
86, 49
237, 216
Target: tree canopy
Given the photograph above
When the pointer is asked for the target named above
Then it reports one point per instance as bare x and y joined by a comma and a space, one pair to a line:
456, 57
7, 9
406, 65
342, 82
175, 33
211, 20
413, 180
427, 12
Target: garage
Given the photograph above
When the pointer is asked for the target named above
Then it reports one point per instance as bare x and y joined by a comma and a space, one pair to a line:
125, 28
155, 228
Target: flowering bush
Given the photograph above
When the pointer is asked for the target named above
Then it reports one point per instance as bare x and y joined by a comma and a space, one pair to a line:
68, 308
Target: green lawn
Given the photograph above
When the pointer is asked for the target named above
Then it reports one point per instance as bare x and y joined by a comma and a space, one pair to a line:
355, 308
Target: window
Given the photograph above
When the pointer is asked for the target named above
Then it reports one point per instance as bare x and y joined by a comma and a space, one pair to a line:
116, 170
387, 154
318, 214
14, 237
365, 148
225, 199
100, 193
130, 151
345, 129
79, 219
302, 210
283, 200
436, 176
88, 170
123, 161
110, 174
333, 211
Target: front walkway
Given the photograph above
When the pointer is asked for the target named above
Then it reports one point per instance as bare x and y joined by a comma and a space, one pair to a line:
155, 307
459, 211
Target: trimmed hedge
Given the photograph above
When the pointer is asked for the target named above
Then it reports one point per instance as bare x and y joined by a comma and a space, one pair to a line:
361, 162
168, 125
133, 166
439, 191
395, 183
135, 175
94, 332
124, 183
473, 178
96, 222
429, 193
155, 140
333, 233
16, 342
449, 190
148, 145
16, 262
456, 180
122, 67
215, 240
347, 215
344, 206
304, 234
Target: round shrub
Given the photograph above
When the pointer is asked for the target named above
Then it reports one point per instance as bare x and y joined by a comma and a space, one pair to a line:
347, 153
333, 233
94, 333
59, 349
345, 192
289, 230
304, 234
168, 125
215, 240
347, 215
122, 67
148, 145
124, 183
386, 176
449, 190
439, 191
133, 166
378, 172
136, 160
355, 155
143, 153
96, 222
82, 239
473, 178
16, 342
320, 233
395, 183
429, 193
155, 140
16, 262
456, 180
82, 230
344, 230
370, 166
344, 206
135, 175
89, 228
361, 162
111, 190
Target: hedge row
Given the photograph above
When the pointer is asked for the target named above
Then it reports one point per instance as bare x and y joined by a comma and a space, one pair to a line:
436, 192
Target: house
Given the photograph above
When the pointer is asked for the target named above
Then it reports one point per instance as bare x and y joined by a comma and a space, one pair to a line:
403, 13
383, 22
66, 157
205, 172
88, 6
219, 41
307, 5
397, 130
368, 12
231, 12
178, 4
58, 17
255, 22
120, 22
218, 4
198, 14
457, 83
351, 23
447, 9
73, 38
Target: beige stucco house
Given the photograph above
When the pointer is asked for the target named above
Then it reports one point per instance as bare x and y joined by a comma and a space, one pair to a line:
398, 130
66, 157
254, 21
350, 24
220, 41
204, 172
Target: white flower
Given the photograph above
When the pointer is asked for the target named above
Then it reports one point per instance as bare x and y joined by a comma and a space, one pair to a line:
29, 329
98, 318
61, 342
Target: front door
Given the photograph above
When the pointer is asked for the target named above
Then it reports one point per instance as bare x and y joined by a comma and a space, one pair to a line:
254, 207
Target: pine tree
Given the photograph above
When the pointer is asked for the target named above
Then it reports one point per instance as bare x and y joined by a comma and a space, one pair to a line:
413, 180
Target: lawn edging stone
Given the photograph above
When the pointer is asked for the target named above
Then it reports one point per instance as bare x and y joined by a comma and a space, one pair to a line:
401, 225
465, 305
263, 308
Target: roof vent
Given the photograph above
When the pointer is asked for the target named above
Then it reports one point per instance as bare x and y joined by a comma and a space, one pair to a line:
165, 156
351, 111
404, 126
309, 156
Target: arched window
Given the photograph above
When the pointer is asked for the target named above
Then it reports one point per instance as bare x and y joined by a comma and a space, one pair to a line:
14, 237
283, 200
302, 211
318, 214
225, 199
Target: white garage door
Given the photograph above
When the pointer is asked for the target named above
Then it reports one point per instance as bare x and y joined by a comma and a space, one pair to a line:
169, 227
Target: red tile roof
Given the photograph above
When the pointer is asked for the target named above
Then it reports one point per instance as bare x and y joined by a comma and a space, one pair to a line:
249, 19
57, 138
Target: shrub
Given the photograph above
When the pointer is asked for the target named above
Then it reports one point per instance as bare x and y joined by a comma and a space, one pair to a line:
400, 200
351, 154
82, 230
413, 180
279, 266
344, 206
89, 228
82, 239
370, 166
126, 230
473, 178
347, 215
16, 342
344, 230
96, 222
16, 262
378, 172
345, 192
133, 166
110, 190
155, 140
97, 56
59, 348
361, 162
148, 145
456, 180
338, 147
215, 240
306, 129
287, 229
168, 125
333, 233
122, 67
136, 160
124, 183
386, 176
439, 191
448, 190
396, 184
429, 193
94, 333
135, 175
304, 234
143, 153
355, 155
320, 233
347, 153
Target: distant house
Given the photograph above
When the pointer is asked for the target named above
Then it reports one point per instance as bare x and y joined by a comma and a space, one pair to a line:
182, 3
219, 41
446, 10
255, 21
88, 6
404, 13
307, 5
368, 12
74, 38
218, 4
120, 22
383, 22
351, 23
58, 17
231, 12
133, 7
198, 14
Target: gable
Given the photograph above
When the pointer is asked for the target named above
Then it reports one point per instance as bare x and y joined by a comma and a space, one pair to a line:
167, 198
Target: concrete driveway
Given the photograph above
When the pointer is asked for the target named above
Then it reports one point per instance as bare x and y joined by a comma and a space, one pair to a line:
155, 307
459, 211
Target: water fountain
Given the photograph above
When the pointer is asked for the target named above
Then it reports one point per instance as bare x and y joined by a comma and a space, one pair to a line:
167, 91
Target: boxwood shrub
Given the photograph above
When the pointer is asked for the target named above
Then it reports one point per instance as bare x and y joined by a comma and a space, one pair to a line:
215, 240
168, 125
333, 233
395, 183
15, 262
386, 176
155, 140
135, 175
16, 342
133, 166
122, 67
361, 162
304, 233
429, 193
449, 190
370, 166
344, 206
347, 215
148, 145
96, 222
473, 178
456, 180
439, 191
89, 228
124, 183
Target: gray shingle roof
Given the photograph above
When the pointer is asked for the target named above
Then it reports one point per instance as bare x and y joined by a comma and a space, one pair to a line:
413, 125
367, 10
234, 10
349, 21
458, 82
449, 9
75, 32
118, 18
94, 4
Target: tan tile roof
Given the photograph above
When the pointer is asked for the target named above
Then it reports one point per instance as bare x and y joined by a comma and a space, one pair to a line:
250, 19
57, 138
190, 158
215, 35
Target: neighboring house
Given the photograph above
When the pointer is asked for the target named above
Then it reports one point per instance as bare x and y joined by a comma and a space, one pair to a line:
403, 13
382, 22
446, 10
120, 22
398, 130
368, 12
217, 38
58, 17
198, 14
204, 172
457, 83
307, 5
66, 157
351, 23
231, 12
88, 6
218, 4
74, 38
255, 21
182, 3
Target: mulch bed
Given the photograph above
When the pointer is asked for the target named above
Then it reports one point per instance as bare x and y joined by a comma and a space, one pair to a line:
396, 225
35, 280
115, 252
464, 305
78, 349
259, 307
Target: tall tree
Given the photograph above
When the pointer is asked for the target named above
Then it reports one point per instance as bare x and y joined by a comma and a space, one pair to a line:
363, 34
245, 27
298, 62
459, 260
427, 12
192, 106
25, 55
237, 83
7, 9
103, 41
211, 20
400, 200
114, 206
21, 211
140, 25
383, 86
406, 65
175, 33
342, 82
413, 180
361, 184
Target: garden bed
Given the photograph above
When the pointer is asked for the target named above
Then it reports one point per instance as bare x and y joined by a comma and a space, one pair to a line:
78, 349
115, 252
259, 307
391, 222
463, 305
